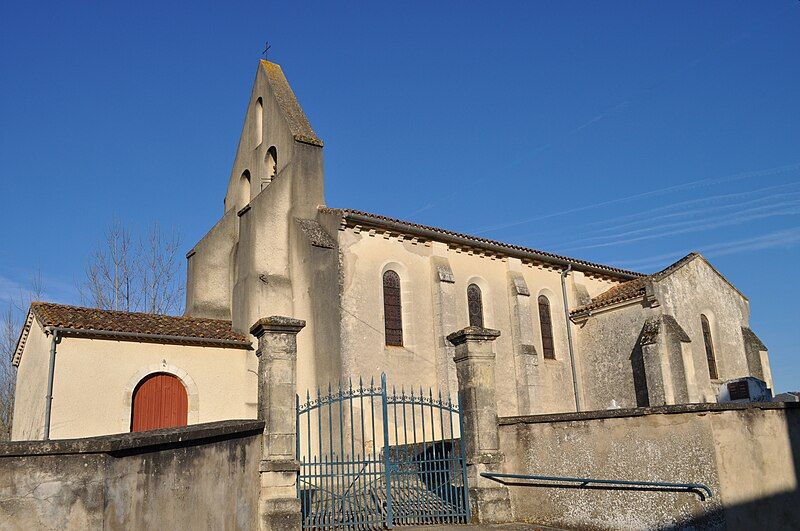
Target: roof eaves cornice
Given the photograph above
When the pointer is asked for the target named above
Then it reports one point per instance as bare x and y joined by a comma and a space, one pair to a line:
356, 217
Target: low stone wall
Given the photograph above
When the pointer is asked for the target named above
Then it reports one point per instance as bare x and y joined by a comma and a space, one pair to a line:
203, 476
749, 455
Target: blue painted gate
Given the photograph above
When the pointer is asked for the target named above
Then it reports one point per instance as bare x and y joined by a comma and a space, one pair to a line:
371, 458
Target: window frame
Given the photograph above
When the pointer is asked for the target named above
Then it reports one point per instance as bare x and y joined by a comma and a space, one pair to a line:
392, 311
479, 318
548, 339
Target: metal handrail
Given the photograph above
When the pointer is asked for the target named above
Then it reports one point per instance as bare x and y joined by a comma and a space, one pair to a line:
689, 487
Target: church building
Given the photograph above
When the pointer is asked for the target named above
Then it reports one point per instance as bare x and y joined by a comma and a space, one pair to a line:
379, 295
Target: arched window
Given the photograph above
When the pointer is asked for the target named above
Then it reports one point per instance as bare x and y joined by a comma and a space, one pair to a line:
392, 309
244, 188
475, 305
159, 401
259, 121
546, 324
272, 163
709, 344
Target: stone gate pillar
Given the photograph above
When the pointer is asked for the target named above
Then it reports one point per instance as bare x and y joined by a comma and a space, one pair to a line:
278, 505
489, 500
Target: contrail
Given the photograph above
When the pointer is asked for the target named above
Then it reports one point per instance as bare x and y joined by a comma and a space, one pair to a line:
647, 216
781, 238
785, 200
626, 102
652, 193
793, 210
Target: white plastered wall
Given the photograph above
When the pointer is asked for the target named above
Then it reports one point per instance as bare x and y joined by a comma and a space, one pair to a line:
367, 254
94, 381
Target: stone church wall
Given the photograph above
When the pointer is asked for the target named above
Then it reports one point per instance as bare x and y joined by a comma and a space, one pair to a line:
611, 359
434, 280
697, 289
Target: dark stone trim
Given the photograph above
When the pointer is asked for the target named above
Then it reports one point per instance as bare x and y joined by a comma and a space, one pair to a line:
152, 440
310, 141
277, 323
473, 333
644, 411
752, 340
244, 210
290, 465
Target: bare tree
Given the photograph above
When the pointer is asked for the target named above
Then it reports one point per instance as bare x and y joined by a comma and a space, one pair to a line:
11, 323
134, 274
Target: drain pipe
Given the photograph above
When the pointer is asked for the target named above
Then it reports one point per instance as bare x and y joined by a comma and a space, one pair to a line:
50, 375
564, 273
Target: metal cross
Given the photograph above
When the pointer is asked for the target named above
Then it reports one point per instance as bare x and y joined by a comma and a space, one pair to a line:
267, 46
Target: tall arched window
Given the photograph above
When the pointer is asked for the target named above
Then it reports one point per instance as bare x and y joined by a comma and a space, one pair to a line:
475, 305
392, 309
709, 344
546, 325
259, 121
159, 401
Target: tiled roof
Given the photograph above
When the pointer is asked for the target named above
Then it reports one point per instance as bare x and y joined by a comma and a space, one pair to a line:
632, 289
544, 256
60, 315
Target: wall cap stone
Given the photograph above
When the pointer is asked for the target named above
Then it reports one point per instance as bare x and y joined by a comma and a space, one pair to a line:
279, 465
473, 333
185, 435
277, 323
643, 411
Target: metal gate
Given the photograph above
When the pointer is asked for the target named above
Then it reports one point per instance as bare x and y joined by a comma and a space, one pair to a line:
371, 458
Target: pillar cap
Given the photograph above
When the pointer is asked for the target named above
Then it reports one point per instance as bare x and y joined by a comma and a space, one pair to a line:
277, 323
473, 333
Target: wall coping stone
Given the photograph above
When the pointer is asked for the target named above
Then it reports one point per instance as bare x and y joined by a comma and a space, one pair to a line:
643, 411
151, 440
279, 465
277, 323
473, 333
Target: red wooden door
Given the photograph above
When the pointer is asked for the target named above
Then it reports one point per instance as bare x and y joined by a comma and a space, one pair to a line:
159, 401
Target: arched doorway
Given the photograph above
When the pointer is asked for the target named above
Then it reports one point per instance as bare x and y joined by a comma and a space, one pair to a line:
159, 401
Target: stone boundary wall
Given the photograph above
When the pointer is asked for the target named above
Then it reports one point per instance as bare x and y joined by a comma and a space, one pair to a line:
748, 454
203, 476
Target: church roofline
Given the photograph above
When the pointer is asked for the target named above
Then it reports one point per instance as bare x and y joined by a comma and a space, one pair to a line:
132, 326
637, 287
357, 217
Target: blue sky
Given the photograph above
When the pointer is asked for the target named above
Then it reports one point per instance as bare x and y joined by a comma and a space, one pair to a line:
628, 133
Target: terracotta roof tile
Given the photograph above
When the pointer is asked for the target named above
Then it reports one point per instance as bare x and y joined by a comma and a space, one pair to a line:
632, 289
60, 315
479, 241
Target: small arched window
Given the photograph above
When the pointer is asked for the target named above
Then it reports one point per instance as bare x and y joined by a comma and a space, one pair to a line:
244, 188
392, 309
272, 163
259, 121
709, 344
475, 305
546, 325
